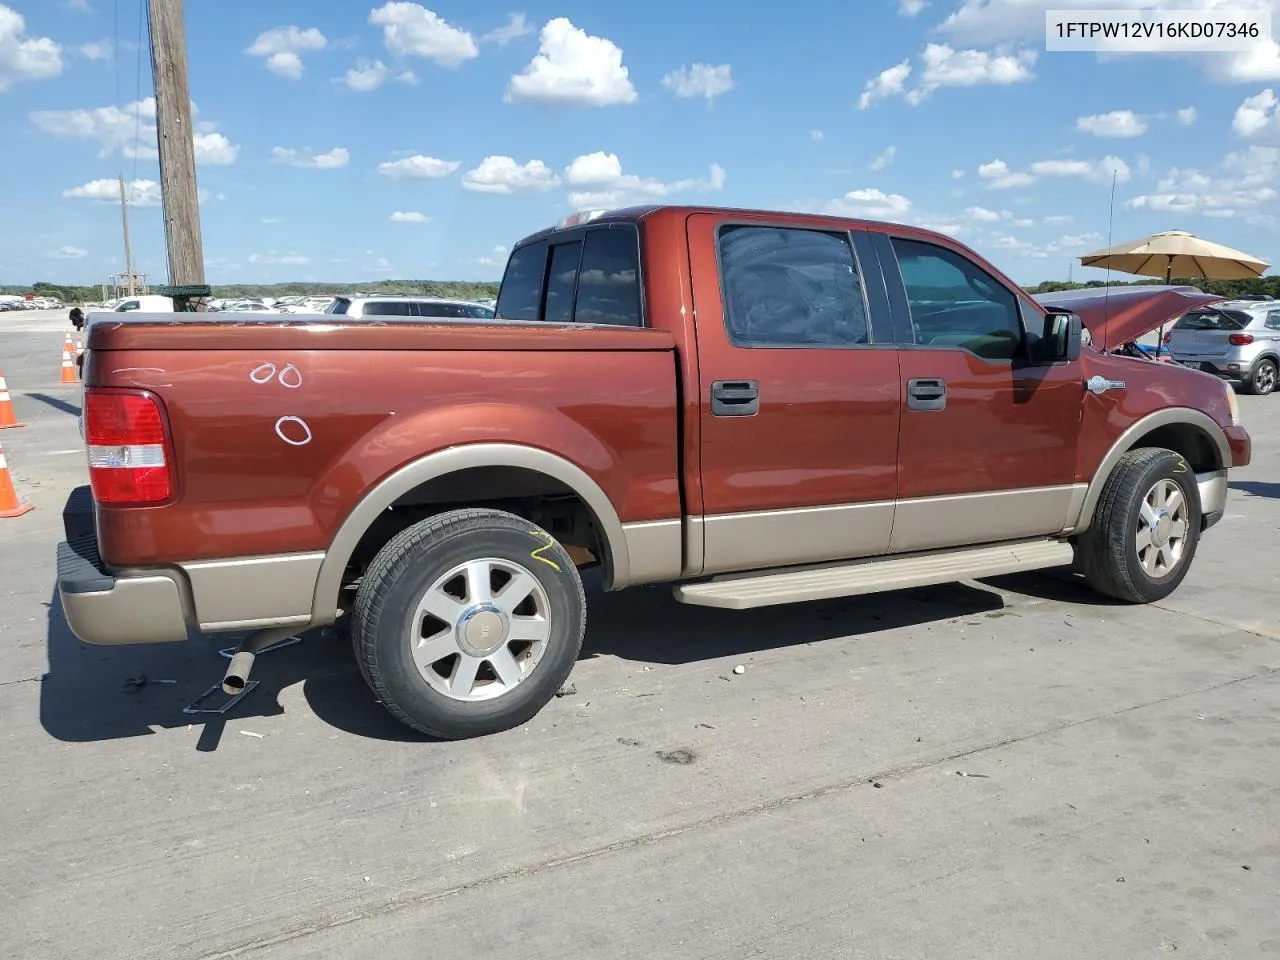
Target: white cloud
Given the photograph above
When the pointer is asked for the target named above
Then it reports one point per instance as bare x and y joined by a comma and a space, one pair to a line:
332, 160
274, 259
130, 129
910, 8
998, 176
1097, 171
981, 215
69, 253
1058, 220
700, 80
497, 257
884, 159
23, 57
1117, 124
504, 175
816, 135
597, 180
272, 221
96, 49
1187, 116
957, 174
282, 47
1244, 189
409, 216
885, 84
214, 149
418, 167
368, 75
995, 22
138, 193
1031, 251
573, 68
411, 30
1257, 113
947, 67
872, 204
79, 6
517, 26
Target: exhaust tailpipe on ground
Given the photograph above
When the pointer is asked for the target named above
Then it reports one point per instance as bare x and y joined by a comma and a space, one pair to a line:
242, 660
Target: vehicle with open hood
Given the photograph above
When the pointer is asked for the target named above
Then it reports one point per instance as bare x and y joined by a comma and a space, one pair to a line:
753, 407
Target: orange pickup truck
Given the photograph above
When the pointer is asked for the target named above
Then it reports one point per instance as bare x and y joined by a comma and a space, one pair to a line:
757, 408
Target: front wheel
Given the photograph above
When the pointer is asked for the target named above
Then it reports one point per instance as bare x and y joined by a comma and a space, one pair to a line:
1145, 528
468, 623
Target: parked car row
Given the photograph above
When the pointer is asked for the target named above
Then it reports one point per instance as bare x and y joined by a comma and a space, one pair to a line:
1238, 340
8, 304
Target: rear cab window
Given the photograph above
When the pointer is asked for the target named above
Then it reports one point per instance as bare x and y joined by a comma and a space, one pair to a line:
791, 286
589, 276
1213, 320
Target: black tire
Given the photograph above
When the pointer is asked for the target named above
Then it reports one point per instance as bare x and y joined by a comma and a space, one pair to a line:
406, 568
1262, 379
1107, 551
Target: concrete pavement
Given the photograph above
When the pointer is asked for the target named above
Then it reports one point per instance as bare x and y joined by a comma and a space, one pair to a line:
1006, 769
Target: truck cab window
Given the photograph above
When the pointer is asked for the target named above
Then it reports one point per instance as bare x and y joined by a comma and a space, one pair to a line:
609, 283
791, 287
561, 280
389, 308
954, 303
520, 296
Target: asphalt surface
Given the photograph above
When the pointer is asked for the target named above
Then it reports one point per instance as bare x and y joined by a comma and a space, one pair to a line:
1006, 769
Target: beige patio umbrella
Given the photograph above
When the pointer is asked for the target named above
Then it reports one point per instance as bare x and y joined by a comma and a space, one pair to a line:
1176, 253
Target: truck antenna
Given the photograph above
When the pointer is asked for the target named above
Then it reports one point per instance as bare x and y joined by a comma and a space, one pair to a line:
1106, 297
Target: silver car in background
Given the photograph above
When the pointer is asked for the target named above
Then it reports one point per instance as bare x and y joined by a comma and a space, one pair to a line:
1238, 341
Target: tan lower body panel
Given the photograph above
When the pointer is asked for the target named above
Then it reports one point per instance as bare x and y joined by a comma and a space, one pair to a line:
932, 523
747, 591
776, 538
253, 592
655, 550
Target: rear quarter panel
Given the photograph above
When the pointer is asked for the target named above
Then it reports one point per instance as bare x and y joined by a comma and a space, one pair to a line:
243, 489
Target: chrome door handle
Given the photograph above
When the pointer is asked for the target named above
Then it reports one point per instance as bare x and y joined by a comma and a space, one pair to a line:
1098, 385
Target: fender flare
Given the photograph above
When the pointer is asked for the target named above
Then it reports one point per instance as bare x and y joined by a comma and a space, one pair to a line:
387, 491
1173, 416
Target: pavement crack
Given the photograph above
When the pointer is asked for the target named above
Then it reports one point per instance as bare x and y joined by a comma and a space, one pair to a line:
385, 907
9, 683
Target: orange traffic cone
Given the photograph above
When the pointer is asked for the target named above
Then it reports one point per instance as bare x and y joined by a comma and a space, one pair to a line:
68, 362
9, 503
7, 417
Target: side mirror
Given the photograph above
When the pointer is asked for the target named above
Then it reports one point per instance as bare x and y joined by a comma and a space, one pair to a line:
1063, 335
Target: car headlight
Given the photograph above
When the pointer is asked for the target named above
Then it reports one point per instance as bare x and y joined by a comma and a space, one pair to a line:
1233, 403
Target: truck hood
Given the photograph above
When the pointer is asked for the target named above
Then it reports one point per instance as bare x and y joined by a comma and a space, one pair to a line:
1115, 316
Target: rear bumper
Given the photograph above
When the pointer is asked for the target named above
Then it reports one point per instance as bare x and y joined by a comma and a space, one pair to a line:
107, 609
104, 605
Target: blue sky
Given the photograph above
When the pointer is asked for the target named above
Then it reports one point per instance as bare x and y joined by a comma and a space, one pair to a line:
341, 141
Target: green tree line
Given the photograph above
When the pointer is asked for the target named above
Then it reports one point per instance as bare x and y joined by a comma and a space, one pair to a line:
458, 289
464, 290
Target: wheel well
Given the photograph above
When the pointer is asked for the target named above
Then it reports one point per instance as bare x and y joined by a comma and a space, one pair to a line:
541, 499
1195, 446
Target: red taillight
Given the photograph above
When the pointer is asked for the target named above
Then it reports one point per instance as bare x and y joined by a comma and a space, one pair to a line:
128, 448
1240, 339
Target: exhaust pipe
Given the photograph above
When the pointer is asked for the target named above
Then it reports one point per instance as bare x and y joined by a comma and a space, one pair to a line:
241, 665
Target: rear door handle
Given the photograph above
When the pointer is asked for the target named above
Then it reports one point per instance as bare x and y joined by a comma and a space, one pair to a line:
735, 398
926, 394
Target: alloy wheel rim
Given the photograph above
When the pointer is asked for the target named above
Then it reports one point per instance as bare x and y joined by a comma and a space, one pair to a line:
1163, 525
1265, 379
480, 629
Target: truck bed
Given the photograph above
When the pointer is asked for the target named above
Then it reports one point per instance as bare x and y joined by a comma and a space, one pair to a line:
279, 426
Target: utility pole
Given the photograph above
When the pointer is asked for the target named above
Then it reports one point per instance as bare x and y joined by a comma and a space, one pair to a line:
178, 193
128, 251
